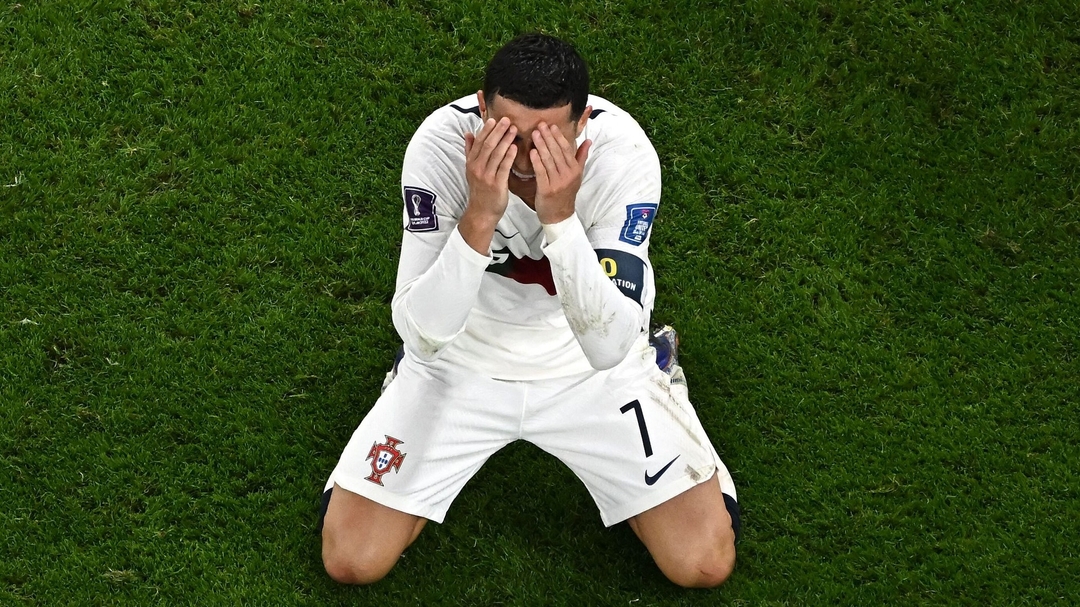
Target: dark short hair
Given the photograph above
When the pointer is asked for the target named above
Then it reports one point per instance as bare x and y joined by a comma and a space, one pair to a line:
539, 72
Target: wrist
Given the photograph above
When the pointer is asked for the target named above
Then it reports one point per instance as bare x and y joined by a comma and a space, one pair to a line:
477, 228
552, 231
481, 214
552, 214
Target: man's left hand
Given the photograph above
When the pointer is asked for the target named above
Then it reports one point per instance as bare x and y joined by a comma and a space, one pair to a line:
558, 167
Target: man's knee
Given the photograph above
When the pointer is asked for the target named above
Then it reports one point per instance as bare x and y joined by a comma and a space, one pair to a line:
353, 566
361, 539
707, 567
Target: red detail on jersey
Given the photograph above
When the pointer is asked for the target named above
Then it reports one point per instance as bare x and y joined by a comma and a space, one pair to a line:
384, 458
530, 271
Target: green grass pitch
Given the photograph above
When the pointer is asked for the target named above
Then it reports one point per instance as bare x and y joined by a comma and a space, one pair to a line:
868, 241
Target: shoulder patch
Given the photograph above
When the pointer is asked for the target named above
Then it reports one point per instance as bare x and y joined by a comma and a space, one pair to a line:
420, 206
639, 218
624, 269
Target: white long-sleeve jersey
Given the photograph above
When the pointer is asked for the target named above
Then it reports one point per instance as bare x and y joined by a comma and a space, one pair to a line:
548, 300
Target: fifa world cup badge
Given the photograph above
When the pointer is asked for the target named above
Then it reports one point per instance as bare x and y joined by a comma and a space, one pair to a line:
384, 457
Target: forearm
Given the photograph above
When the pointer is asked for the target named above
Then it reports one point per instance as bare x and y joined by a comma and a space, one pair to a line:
431, 311
604, 321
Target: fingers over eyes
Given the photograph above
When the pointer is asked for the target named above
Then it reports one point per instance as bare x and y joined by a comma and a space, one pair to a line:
548, 150
489, 148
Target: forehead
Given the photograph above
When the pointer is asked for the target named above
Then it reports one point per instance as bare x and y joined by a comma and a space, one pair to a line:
524, 117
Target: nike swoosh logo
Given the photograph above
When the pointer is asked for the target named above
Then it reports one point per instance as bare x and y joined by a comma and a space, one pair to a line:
651, 480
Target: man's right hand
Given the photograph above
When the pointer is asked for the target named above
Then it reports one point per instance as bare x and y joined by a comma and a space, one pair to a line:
488, 158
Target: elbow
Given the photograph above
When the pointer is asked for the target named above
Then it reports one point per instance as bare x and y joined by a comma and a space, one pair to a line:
605, 355
604, 362
425, 349
421, 345
606, 344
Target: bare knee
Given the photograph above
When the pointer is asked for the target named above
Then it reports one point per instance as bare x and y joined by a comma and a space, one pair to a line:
707, 567
706, 573
352, 566
362, 539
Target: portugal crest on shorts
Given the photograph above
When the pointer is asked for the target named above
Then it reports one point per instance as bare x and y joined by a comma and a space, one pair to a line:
383, 458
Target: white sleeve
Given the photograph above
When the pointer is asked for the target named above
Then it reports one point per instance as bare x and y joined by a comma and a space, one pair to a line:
430, 310
600, 256
605, 322
439, 274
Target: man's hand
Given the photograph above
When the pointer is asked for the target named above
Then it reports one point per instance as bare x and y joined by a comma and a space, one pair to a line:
488, 157
558, 167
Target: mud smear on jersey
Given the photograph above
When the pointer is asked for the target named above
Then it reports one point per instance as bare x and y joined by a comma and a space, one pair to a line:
579, 323
428, 347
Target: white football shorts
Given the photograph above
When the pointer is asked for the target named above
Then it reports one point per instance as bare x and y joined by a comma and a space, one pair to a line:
632, 437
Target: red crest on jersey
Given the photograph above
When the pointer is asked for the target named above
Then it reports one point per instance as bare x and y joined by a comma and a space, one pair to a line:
384, 457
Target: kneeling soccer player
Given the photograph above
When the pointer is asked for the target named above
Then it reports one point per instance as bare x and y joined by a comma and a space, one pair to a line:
523, 298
